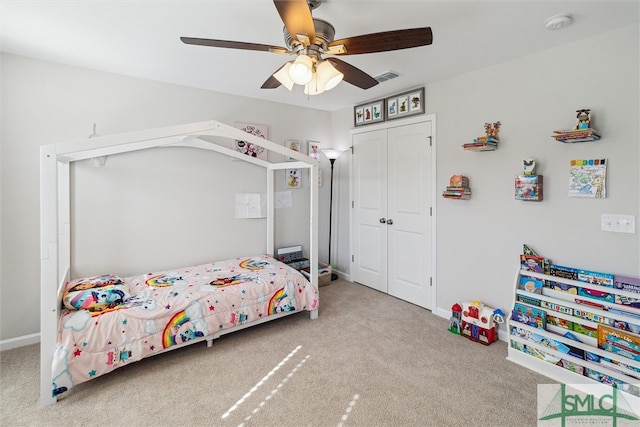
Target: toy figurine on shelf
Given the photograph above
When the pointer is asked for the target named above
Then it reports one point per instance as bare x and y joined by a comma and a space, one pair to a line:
529, 166
478, 322
492, 129
529, 185
584, 118
582, 132
487, 142
458, 188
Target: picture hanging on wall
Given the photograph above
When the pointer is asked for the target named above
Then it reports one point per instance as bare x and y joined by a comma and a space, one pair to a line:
248, 148
294, 145
587, 178
314, 149
292, 178
371, 112
405, 104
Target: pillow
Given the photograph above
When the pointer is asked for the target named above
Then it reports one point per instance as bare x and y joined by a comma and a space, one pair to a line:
95, 293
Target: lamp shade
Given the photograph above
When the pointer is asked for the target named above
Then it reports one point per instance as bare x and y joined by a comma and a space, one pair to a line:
282, 75
332, 153
314, 87
301, 70
327, 75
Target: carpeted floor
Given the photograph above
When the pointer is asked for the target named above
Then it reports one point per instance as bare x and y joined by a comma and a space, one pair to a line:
368, 360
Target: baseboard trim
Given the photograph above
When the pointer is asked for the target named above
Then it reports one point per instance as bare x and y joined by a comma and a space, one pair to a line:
19, 341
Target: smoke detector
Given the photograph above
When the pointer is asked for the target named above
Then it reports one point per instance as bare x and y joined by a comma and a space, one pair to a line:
556, 22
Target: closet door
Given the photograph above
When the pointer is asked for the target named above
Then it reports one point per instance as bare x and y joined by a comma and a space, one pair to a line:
369, 265
408, 203
391, 215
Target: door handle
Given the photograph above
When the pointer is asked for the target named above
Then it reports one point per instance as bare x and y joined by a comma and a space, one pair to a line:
390, 221
382, 220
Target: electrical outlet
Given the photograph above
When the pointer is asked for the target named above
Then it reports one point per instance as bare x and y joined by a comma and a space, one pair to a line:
618, 223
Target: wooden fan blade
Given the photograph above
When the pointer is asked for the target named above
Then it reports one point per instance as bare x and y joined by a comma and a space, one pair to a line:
272, 82
385, 41
296, 16
353, 75
233, 45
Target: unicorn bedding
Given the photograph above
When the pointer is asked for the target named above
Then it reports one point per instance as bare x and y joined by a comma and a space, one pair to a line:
109, 321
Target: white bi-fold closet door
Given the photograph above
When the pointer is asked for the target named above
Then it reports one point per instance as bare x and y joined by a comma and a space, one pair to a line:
392, 186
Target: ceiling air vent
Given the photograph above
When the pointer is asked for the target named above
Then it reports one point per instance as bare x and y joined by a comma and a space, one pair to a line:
386, 76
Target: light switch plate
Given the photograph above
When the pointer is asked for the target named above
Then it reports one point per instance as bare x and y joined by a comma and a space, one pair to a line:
618, 223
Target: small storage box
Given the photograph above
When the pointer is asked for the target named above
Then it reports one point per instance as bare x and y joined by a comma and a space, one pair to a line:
324, 274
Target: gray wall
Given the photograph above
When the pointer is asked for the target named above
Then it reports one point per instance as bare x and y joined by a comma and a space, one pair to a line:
158, 209
479, 240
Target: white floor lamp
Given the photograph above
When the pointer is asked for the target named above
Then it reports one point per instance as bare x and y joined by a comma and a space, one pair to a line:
332, 155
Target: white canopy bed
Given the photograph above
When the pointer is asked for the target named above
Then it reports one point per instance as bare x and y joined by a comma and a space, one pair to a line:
257, 288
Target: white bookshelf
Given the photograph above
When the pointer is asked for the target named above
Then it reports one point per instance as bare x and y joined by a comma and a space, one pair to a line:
587, 343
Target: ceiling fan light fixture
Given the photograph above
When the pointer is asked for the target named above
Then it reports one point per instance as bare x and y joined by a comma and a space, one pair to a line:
328, 75
314, 87
282, 75
301, 70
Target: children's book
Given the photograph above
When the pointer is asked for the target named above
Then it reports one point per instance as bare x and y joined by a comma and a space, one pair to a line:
533, 263
560, 323
585, 330
588, 315
557, 307
531, 284
526, 249
562, 287
596, 278
529, 300
626, 283
564, 272
597, 295
620, 342
529, 315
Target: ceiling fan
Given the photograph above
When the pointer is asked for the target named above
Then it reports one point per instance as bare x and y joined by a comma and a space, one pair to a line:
309, 39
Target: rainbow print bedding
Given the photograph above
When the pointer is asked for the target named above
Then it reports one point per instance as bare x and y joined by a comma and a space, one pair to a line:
109, 321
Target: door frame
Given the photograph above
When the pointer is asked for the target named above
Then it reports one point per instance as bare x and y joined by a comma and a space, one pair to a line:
388, 125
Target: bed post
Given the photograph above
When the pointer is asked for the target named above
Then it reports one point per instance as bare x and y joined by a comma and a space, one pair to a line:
270, 211
48, 268
313, 225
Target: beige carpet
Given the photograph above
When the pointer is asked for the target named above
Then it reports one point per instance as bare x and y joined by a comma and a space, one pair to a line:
368, 360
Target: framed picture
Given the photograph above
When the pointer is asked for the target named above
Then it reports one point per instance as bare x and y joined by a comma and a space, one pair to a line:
371, 112
292, 144
292, 178
314, 149
392, 108
405, 104
248, 148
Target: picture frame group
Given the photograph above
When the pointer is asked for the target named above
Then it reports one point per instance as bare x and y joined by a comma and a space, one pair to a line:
397, 106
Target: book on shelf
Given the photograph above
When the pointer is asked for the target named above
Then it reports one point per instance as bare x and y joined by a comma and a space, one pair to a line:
563, 272
529, 315
596, 278
626, 283
537, 264
530, 284
620, 342
576, 135
529, 300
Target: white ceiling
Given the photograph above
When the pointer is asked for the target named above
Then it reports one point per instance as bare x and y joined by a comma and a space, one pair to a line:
141, 39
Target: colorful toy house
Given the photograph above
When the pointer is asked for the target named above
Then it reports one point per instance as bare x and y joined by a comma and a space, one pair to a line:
480, 322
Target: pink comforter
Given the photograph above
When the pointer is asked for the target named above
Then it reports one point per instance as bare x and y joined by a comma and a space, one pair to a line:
170, 308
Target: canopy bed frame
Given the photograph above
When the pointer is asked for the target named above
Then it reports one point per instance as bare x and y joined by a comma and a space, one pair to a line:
56, 219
